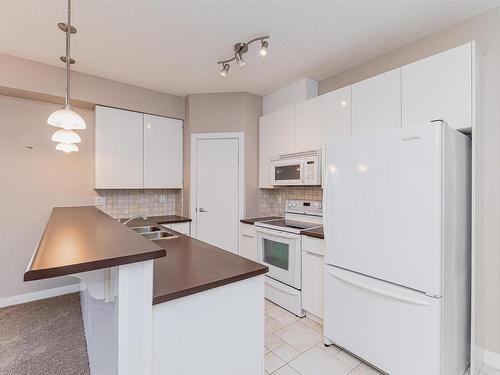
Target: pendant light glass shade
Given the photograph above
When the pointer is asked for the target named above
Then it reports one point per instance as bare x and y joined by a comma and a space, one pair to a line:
66, 118
67, 147
66, 136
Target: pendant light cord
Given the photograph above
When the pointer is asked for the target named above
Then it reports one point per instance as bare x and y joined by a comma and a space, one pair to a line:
68, 58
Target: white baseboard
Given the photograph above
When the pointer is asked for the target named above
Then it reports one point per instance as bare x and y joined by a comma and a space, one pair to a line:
492, 359
47, 293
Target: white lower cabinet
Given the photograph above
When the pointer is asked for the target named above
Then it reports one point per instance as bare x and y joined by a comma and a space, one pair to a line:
248, 242
184, 228
313, 275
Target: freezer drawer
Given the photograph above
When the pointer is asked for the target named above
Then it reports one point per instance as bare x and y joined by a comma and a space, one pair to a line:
396, 329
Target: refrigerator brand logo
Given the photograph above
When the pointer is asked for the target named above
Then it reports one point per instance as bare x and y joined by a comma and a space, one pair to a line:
407, 139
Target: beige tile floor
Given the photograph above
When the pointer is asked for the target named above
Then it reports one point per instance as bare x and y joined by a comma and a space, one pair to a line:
294, 346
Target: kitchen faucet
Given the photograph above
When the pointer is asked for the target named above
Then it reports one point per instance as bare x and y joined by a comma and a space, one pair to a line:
136, 216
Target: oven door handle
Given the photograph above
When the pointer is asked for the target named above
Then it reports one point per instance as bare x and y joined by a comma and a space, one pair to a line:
277, 233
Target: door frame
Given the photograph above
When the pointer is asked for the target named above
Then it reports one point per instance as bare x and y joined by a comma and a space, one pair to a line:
240, 136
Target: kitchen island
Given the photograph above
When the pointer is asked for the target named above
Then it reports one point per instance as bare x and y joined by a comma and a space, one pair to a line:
170, 306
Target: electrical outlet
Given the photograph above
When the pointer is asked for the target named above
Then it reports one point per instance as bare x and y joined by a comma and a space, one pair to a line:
100, 201
163, 199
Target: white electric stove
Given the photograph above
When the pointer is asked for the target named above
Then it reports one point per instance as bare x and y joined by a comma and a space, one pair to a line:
280, 248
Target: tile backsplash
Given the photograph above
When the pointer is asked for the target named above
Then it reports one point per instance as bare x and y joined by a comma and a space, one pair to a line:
272, 201
150, 202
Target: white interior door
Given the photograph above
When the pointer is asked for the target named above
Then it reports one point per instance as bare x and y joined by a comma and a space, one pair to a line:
217, 192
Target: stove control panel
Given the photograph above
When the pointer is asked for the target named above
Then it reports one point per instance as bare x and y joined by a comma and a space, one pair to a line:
314, 208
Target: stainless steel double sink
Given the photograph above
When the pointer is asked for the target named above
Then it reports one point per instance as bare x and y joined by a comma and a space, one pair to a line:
153, 232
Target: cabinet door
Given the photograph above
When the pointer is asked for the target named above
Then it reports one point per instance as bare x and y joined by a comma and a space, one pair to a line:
248, 242
308, 125
118, 149
183, 228
313, 280
376, 103
266, 146
336, 114
284, 131
162, 152
439, 87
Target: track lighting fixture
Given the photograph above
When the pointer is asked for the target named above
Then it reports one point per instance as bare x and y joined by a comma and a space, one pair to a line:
239, 50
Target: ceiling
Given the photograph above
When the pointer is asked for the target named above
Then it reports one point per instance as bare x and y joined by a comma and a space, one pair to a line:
173, 46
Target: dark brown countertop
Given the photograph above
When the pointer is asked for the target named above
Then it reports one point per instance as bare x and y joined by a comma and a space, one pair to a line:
80, 239
253, 220
165, 219
318, 233
193, 266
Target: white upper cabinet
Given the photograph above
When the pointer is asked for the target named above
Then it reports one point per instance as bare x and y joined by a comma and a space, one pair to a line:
118, 149
136, 151
439, 88
266, 146
162, 152
284, 131
308, 125
376, 103
336, 114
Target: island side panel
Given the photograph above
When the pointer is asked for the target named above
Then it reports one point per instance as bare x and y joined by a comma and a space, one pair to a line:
135, 291
216, 332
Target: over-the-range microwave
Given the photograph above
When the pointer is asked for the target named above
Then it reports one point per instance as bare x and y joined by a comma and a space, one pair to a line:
301, 168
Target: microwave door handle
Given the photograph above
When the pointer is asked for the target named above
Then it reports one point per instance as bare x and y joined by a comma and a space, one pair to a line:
303, 172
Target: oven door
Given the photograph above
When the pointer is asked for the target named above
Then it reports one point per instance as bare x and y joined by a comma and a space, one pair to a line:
288, 172
280, 251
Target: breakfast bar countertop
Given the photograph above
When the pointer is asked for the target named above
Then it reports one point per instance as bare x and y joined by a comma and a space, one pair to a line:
81, 239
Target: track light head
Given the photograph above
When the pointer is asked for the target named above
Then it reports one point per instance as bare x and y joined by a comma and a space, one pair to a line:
224, 70
263, 48
239, 60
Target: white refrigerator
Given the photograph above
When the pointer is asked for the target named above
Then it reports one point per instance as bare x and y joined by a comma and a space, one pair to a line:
397, 228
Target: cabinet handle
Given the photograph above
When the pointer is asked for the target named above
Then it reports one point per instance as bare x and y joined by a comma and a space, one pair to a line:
247, 235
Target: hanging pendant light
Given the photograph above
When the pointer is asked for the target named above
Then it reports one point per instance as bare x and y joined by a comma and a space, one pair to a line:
66, 136
66, 118
67, 147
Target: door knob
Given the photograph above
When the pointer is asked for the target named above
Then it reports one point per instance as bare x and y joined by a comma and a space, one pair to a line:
202, 210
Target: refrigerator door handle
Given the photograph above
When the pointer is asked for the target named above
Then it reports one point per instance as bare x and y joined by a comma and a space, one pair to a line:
371, 289
324, 205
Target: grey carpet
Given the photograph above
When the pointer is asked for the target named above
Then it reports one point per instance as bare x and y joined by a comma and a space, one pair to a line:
43, 338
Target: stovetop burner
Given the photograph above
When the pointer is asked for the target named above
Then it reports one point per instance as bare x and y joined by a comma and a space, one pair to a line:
292, 224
